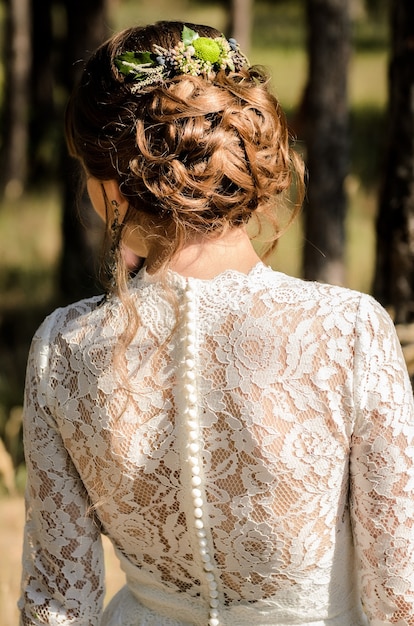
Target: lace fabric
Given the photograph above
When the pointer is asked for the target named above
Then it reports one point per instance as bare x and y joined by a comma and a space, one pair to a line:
257, 469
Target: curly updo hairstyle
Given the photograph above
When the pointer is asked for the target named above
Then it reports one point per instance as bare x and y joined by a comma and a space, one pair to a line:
192, 155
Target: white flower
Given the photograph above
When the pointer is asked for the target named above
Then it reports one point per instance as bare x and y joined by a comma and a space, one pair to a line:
251, 354
311, 449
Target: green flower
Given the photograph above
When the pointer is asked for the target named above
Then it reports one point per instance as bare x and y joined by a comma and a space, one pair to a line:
206, 49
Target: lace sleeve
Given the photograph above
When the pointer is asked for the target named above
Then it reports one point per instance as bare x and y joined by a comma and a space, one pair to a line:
62, 581
382, 472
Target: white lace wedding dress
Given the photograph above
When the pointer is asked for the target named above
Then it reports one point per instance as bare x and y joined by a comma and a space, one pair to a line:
257, 468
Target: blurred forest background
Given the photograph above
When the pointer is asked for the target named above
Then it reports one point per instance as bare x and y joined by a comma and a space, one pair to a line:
344, 73
330, 62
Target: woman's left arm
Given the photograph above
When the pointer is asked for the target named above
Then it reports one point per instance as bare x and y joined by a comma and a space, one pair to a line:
63, 573
382, 471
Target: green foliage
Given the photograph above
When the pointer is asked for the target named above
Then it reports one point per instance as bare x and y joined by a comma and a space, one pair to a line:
280, 25
131, 62
188, 36
370, 30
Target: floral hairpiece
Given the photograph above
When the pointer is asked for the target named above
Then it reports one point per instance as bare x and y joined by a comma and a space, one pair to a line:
194, 55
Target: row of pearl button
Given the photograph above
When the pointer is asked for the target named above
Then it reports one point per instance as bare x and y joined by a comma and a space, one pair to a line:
193, 433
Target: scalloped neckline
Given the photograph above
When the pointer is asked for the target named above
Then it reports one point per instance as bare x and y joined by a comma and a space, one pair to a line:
173, 277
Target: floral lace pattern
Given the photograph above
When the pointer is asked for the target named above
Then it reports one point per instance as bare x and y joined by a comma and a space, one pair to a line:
303, 447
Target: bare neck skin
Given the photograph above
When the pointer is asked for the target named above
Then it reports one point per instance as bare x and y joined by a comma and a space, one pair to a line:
206, 258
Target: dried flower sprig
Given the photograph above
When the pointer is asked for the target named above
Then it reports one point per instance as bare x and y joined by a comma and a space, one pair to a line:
194, 55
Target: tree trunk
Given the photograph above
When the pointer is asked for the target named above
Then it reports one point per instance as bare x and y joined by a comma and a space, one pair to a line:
325, 108
86, 29
241, 23
43, 110
17, 57
394, 275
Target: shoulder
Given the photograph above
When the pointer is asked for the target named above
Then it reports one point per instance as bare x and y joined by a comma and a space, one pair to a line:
290, 289
48, 343
333, 306
72, 316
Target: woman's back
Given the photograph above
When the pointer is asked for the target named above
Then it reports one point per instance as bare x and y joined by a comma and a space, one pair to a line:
220, 471
226, 430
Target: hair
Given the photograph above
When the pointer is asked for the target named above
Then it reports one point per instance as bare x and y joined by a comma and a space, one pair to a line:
193, 156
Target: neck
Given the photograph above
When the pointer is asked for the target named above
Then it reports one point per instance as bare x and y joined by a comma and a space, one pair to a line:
206, 258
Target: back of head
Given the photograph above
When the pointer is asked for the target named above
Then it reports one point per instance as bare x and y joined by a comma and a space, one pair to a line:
193, 151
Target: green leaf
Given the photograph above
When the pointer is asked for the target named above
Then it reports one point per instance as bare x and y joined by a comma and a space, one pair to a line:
130, 61
188, 36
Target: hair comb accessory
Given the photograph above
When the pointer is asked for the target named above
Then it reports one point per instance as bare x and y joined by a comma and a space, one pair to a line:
194, 55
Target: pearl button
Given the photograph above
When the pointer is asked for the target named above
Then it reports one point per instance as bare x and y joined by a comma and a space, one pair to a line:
193, 433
